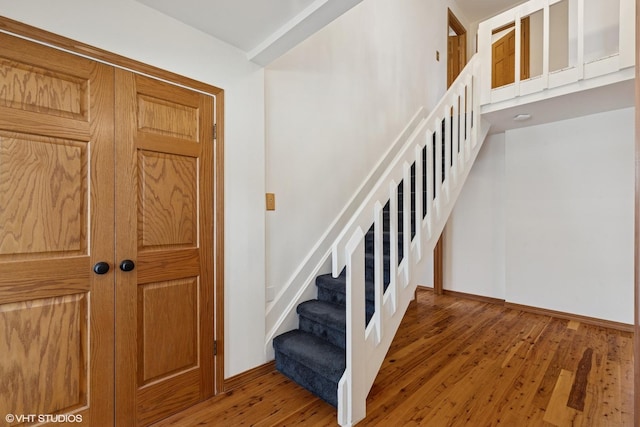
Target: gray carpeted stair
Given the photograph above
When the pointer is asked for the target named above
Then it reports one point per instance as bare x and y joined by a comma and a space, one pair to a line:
314, 355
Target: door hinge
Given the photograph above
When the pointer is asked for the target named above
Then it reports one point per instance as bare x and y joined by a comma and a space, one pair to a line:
215, 348
215, 131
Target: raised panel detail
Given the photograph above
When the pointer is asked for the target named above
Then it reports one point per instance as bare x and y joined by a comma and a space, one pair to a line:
44, 355
43, 199
168, 314
167, 118
31, 88
168, 208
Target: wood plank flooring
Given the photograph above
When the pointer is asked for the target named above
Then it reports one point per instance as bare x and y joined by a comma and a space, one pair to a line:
459, 362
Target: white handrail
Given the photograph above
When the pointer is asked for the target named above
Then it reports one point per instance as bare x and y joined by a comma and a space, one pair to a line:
453, 128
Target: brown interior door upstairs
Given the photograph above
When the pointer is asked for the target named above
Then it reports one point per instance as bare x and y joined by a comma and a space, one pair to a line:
456, 56
503, 54
56, 223
164, 199
504, 60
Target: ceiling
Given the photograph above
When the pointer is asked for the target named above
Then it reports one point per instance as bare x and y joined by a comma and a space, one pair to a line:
262, 29
242, 23
479, 10
550, 108
265, 30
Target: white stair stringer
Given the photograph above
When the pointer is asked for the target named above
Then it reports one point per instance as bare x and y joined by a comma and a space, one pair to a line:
456, 121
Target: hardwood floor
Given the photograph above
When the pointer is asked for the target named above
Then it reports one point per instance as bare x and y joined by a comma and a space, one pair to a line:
459, 362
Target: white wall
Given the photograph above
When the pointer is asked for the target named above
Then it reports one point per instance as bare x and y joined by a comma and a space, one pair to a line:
559, 36
136, 31
567, 191
475, 235
535, 43
570, 195
335, 103
601, 28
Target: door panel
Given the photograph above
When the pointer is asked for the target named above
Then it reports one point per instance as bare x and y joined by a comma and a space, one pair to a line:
56, 222
43, 184
169, 319
168, 211
165, 179
504, 60
58, 381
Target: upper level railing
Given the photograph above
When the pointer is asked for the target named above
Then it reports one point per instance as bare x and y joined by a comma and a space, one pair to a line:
425, 178
554, 43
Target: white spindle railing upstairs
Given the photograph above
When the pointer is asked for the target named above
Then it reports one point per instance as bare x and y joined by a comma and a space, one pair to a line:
439, 154
570, 41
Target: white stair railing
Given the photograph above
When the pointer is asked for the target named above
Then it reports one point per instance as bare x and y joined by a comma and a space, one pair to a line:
440, 152
563, 50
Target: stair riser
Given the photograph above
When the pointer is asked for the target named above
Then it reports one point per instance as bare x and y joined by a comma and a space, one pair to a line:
340, 298
318, 385
334, 336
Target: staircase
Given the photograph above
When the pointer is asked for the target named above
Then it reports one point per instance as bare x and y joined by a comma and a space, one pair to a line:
314, 355
344, 333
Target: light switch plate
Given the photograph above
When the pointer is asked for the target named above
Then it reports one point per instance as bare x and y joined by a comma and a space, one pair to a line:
271, 201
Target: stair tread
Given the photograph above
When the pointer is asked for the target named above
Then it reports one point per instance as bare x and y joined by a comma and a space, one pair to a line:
329, 314
315, 353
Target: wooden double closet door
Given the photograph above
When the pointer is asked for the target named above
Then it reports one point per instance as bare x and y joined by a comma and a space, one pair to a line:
106, 241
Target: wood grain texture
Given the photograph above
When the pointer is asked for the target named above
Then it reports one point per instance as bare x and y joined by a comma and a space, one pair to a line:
44, 373
168, 205
86, 113
27, 87
27, 280
438, 266
246, 377
460, 362
102, 240
155, 402
572, 318
167, 118
56, 203
126, 213
153, 267
217, 228
43, 196
169, 327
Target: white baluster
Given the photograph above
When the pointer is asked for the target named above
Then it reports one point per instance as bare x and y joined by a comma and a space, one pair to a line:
355, 305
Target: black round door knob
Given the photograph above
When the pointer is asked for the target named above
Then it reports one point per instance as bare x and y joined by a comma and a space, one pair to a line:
101, 268
127, 265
